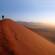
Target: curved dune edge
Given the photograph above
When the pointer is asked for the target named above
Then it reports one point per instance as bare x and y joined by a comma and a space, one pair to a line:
22, 41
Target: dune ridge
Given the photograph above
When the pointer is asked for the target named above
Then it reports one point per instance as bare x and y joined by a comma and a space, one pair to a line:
23, 41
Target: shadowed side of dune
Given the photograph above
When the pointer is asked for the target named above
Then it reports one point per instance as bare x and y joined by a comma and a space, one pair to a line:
22, 41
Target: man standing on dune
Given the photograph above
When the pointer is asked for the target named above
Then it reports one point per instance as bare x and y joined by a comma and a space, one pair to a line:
2, 17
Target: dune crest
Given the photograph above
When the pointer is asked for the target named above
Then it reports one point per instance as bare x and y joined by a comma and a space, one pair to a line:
22, 41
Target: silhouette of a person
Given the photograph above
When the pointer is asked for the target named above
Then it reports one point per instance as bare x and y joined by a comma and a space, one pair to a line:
2, 17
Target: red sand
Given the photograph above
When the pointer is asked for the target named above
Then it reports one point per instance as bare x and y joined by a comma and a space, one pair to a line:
22, 41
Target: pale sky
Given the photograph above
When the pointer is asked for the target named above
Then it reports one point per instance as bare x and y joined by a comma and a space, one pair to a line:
29, 10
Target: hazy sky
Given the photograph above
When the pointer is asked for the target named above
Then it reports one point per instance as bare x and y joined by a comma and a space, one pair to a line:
28, 10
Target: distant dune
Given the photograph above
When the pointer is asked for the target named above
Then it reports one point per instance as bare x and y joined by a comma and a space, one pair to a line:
42, 29
22, 41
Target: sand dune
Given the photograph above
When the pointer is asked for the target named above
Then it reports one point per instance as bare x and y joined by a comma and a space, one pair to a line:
22, 41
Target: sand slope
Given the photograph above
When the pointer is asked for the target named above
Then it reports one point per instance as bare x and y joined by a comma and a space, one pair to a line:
22, 41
